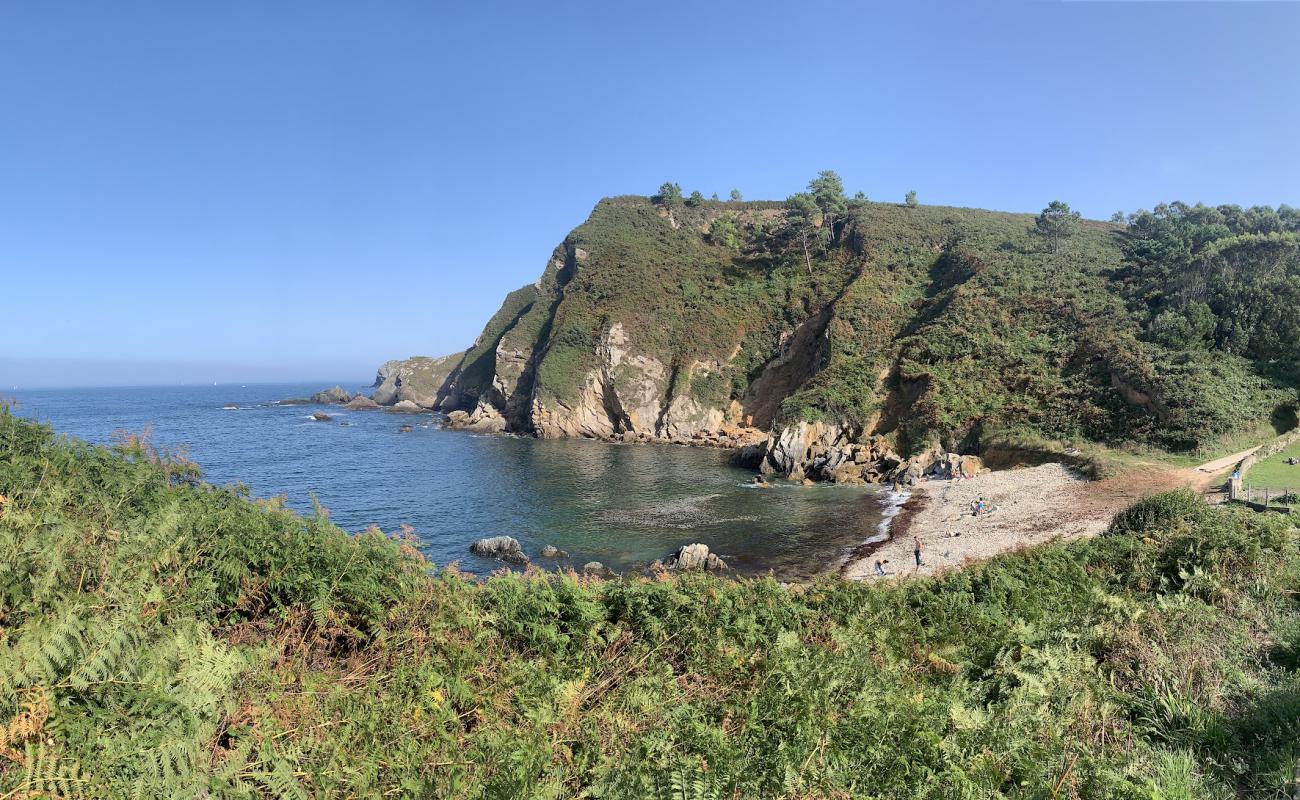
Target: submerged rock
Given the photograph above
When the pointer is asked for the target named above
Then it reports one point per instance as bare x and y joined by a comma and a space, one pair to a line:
551, 551
694, 556
506, 548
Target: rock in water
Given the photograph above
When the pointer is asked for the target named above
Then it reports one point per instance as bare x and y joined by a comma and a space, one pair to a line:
321, 416
335, 396
598, 569
551, 551
361, 402
506, 548
404, 407
694, 556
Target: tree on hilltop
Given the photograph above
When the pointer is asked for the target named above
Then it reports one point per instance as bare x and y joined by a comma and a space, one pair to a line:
828, 192
1057, 222
910, 199
735, 196
696, 199
669, 195
813, 214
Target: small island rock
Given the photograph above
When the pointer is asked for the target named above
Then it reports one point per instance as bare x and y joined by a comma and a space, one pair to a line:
321, 416
551, 551
506, 548
336, 396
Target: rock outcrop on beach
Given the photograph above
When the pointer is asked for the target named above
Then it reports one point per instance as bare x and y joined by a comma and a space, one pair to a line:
694, 556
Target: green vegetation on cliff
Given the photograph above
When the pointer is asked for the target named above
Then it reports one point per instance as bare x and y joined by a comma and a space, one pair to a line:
164, 638
931, 325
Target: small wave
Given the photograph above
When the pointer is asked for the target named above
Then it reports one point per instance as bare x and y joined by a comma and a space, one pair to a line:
892, 503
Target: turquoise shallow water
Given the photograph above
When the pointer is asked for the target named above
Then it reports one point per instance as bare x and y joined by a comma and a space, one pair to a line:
622, 505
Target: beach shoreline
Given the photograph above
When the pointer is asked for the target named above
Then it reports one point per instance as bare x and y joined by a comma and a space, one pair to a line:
1033, 505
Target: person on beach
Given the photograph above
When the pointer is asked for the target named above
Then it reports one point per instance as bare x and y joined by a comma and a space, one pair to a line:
880, 567
917, 551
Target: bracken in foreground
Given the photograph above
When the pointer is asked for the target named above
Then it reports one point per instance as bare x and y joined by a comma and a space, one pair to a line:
160, 637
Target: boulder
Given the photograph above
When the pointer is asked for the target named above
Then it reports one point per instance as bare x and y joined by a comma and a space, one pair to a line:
484, 419
598, 569
848, 473
335, 396
694, 556
404, 407
506, 548
551, 551
970, 466
361, 403
321, 416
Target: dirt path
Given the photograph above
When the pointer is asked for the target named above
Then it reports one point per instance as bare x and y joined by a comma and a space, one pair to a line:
1033, 506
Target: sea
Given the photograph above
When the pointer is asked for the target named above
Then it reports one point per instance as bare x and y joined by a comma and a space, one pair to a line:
621, 505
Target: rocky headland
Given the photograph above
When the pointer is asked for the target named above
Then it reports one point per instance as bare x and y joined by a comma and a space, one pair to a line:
905, 342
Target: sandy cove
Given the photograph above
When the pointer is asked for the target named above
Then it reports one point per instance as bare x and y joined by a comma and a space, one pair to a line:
1035, 505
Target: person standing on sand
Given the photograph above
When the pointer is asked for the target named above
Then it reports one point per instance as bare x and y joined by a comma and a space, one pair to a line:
917, 551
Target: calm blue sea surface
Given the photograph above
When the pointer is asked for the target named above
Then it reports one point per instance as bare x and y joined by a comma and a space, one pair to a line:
622, 505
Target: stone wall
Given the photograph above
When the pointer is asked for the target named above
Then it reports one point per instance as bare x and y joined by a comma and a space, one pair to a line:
1264, 451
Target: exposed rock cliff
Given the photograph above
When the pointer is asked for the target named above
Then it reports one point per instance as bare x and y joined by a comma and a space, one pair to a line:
419, 379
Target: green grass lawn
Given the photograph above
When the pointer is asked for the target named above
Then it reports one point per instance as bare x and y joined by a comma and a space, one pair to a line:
1275, 473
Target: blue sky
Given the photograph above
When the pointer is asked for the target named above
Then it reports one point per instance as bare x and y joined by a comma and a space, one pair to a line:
300, 190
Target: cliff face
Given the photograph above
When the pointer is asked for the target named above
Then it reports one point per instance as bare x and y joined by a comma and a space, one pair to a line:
908, 330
